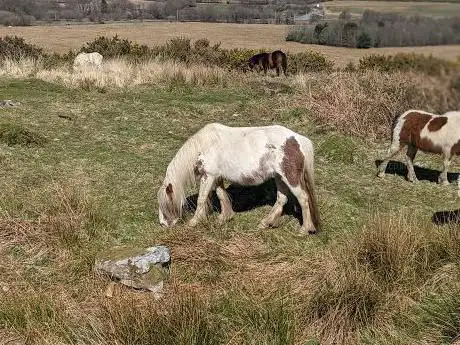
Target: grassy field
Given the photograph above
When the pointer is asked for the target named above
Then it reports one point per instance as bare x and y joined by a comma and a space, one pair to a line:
230, 35
69, 188
442, 9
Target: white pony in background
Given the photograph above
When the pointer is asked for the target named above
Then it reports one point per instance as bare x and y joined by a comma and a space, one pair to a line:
246, 156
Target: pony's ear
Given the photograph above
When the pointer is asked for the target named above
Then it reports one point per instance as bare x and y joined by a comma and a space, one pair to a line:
169, 189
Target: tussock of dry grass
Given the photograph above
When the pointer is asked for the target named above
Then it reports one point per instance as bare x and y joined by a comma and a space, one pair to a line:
364, 103
117, 73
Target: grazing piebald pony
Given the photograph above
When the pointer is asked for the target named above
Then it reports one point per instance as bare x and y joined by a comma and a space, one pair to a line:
247, 156
265, 61
430, 133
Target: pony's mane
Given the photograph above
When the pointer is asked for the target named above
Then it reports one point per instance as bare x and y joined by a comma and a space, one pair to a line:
180, 171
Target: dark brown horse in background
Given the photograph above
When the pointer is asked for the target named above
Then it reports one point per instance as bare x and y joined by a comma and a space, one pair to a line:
265, 61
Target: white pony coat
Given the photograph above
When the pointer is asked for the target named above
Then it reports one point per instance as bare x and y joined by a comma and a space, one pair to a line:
262, 151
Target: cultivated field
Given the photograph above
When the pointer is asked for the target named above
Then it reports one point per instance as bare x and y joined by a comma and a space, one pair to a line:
83, 155
61, 38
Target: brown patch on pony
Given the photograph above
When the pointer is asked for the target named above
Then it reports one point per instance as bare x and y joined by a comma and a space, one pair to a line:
257, 176
410, 132
437, 123
293, 161
169, 189
198, 170
455, 150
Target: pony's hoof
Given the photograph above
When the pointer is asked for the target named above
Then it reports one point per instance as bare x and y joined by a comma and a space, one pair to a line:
192, 223
412, 179
262, 225
304, 231
443, 182
225, 218
381, 174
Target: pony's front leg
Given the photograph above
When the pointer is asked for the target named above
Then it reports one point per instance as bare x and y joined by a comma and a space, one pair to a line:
206, 184
410, 155
226, 212
394, 149
272, 219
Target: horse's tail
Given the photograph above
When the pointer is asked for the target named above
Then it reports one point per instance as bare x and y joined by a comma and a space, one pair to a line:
308, 185
284, 63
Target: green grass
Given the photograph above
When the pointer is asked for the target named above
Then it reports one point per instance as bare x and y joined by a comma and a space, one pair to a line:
93, 184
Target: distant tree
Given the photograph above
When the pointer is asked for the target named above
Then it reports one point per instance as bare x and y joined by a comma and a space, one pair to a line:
364, 40
104, 7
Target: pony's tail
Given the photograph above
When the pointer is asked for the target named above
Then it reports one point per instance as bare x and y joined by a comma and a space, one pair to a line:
307, 184
284, 64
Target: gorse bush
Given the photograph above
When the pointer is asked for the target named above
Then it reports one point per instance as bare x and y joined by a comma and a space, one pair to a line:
308, 62
15, 48
116, 47
380, 30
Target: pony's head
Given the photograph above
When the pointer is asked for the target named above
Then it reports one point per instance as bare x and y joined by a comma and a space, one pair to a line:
252, 62
170, 205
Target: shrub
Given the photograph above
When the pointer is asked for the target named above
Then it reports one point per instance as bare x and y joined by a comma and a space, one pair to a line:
178, 49
364, 40
16, 48
116, 47
308, 62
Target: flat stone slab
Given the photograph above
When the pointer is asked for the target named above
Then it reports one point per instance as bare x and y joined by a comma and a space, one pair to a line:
140, 268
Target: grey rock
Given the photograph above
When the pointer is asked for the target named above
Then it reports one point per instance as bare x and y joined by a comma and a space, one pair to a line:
8, 103
138, 268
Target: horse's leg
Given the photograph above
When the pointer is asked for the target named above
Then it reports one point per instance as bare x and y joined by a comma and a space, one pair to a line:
225, 204
394, 149
410, 155
458, 185
206, 185
277, 71
304, 202
272, 219
443, 176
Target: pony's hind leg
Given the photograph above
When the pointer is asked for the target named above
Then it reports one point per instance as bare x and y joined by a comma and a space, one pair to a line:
272, 219
410, 155
394, 149
304, 201
225, 204
206, 185
443, 176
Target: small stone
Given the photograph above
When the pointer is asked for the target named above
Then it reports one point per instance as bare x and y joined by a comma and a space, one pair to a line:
8, 103
109, 290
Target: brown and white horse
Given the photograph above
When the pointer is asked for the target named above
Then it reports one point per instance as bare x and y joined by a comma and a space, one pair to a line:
246, 156
427, 132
